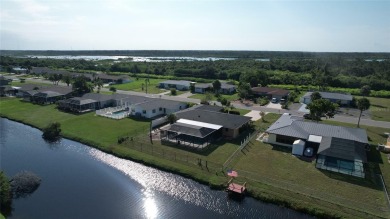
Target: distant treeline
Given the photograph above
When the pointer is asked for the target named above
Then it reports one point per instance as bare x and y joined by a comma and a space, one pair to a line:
320, 72
199, 53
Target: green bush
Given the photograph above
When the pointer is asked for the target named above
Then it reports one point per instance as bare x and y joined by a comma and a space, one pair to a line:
262, 101
52, 132
173, 92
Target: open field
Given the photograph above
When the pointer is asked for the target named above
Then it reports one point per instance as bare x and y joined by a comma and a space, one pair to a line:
227, 97
272, 173
380, 108
136, 85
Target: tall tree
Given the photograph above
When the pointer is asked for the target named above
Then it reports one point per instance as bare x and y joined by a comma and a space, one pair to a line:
365, 91
244, 90
81, 85
99, 84
216, 86
321, 107
362, 104
67, 79
315, 96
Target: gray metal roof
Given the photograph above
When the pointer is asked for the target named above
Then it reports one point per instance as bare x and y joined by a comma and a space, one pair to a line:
333, 96
291, 126
177, 82
203, 85
47, 94
230, 121
210, 108
154, 103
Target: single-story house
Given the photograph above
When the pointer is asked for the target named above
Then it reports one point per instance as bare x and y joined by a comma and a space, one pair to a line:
19, 70
116, 79
270, 92
104, 100
191, 133
178, 85
46, 97
225, 88
154, 107
339, 149
43, 94
209, 107
77, 104
343, 99
4, 81
231, 124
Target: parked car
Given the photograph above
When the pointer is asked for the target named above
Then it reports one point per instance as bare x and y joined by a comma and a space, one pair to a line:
307, 116
282, 100
274, 100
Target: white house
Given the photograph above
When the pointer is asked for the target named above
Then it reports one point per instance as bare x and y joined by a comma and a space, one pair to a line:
157, 107
178, 85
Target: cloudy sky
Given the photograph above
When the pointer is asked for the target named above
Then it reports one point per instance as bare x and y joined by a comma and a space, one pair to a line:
289, 25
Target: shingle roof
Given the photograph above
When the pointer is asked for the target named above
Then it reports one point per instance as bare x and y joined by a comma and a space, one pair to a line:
291, 126
226, 120
47, 94
190, 130
334, 96
209, 108
79, 101
270, 90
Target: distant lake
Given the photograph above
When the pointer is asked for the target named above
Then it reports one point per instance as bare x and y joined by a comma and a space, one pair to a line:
135, 58
81, 182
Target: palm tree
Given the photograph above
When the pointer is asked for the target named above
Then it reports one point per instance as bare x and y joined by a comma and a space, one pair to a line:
362, 104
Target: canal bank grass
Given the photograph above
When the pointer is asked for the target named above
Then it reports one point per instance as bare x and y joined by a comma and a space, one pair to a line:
136, 85
88, 128
272, 174
1, 216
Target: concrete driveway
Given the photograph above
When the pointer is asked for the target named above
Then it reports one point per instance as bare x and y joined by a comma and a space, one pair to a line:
254, 114
274, 106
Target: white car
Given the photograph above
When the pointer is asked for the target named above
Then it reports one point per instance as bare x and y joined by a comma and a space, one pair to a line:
274, 100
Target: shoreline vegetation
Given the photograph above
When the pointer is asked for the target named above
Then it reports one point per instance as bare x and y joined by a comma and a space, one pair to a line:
102, 133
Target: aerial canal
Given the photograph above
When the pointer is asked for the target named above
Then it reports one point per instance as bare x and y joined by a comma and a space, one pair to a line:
81, 182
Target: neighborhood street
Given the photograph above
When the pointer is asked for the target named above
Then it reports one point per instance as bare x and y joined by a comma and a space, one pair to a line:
239, 105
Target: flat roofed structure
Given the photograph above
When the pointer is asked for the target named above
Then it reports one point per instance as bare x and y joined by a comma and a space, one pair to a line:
315, 138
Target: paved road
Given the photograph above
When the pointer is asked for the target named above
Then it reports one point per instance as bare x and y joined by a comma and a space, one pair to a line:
340, 118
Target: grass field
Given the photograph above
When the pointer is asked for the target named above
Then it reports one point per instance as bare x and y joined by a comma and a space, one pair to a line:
380, 108
272, 173
227, 97
136, 85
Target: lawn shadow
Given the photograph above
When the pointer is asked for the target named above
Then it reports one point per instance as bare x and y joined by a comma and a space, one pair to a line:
281, 148
378, 106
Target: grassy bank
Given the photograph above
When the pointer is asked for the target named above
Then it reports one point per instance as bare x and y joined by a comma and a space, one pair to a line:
272, 174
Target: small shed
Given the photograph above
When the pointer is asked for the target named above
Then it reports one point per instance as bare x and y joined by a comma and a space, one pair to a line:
298, 147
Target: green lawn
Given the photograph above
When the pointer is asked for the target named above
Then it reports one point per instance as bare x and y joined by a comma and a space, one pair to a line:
227, 97
136, 85
242, 111
380, 108
274, 169
97, 130
17, 83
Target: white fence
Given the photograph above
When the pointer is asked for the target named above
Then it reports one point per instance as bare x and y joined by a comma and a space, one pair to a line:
110, 112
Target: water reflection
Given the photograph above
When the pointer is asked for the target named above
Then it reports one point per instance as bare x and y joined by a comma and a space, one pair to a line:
150, 207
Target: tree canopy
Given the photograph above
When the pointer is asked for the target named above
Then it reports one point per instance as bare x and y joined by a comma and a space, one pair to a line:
321, 107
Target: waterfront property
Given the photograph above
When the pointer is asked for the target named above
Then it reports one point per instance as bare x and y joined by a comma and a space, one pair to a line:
338, 149
155, 107
270, 92
177, 84
232, 125
77, 105
342, 99
43, 94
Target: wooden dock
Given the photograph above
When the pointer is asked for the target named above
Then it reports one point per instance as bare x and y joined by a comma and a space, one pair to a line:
235, 188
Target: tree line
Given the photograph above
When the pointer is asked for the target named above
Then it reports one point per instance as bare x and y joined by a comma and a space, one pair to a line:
322, 72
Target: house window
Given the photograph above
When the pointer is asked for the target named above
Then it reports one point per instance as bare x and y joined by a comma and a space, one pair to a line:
160, 109
144, 111
153, 111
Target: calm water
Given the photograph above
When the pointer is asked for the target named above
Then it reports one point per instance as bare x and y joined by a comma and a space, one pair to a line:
136, 58
81, 182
